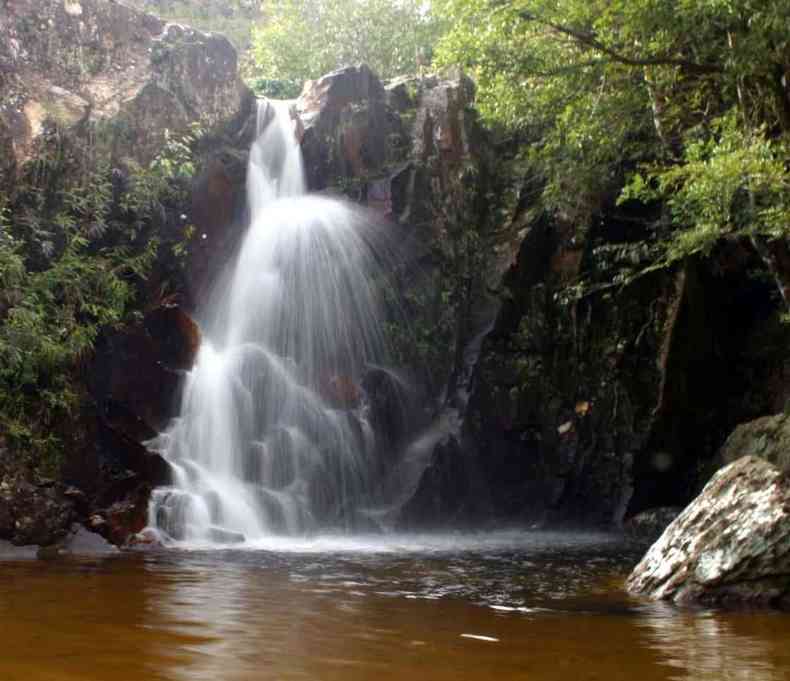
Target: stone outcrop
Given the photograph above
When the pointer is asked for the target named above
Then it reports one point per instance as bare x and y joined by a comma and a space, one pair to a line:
731, 545
125, 518
414, 151
767, 438
99, 65
32, 511
82, 542
344, 126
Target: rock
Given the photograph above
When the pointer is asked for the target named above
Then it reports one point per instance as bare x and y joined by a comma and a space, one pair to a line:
388, 397
344, 126
136, 392
730, 545
110, 64
82, 542
31, 513
401, 93
125, 518
218, 213
220, 535
146, 540
650, 525
176, 336
340, 391
767, 438
448, 493
9, 551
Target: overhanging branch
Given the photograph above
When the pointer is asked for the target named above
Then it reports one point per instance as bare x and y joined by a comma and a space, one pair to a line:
588, 39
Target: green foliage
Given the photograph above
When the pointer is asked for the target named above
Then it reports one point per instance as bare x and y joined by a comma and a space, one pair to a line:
75, 247
689, 95
731, 183
276, 88
298, 40
231, 18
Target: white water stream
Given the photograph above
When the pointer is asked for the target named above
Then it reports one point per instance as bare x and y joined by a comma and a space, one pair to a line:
272, 437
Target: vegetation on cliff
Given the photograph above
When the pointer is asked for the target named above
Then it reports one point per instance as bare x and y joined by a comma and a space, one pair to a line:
78, 238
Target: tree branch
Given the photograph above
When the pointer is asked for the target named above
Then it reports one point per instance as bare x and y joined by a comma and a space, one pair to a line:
589, 40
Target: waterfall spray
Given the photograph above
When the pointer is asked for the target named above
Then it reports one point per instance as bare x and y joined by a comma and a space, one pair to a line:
272, 436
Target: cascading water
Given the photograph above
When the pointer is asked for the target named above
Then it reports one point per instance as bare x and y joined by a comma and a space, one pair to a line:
271, 438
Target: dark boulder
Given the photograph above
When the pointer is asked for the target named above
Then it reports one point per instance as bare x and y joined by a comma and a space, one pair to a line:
32, 511
176, 336
125, 518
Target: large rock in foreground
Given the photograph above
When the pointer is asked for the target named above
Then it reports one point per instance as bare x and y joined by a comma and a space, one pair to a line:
731, 545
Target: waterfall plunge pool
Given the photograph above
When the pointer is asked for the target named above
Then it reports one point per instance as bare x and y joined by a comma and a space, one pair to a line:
503, 605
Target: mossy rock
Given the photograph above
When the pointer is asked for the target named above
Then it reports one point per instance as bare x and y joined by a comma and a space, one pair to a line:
767, 438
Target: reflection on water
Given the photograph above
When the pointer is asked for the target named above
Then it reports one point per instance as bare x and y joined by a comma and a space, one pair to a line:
506, 606
706, 646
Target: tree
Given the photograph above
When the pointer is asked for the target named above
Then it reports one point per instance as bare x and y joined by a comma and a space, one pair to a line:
298, 40
689, 99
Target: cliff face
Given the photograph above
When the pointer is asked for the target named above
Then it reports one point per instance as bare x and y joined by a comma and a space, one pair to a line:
113, 74
588, 409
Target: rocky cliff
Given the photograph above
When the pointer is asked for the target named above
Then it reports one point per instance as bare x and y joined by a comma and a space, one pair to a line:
594, 400
119, 76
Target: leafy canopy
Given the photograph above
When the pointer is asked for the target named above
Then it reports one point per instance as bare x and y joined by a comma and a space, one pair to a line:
298, 40
689, 99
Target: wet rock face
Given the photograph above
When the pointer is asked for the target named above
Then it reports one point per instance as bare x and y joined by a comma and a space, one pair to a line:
731, 545
81, 542
448, 494
176, 336
135, 384
414, 152
80, 62
137, 372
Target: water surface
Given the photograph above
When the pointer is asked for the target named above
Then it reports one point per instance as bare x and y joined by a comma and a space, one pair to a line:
514, 605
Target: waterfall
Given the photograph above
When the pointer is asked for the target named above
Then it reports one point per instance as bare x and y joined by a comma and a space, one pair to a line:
272, 435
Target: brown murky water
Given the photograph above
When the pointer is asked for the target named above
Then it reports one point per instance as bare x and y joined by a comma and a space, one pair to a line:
546, 607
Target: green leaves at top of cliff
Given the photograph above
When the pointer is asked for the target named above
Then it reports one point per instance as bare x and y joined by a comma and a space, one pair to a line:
299, 40
687, 101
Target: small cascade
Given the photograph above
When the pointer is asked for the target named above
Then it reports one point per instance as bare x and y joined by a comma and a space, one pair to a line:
273, 435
